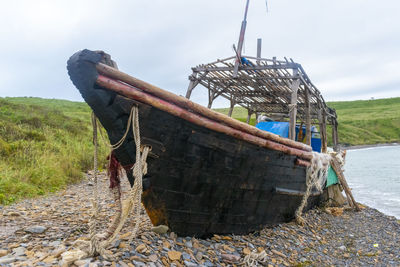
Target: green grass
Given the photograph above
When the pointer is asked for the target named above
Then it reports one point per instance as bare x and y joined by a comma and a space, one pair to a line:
360, 122
45, 144
368, 121
238, 113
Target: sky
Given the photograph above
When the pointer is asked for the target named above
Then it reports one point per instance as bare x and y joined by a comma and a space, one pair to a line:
349, 49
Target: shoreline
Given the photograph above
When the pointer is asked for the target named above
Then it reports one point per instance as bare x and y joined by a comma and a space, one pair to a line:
369, 146
371, 184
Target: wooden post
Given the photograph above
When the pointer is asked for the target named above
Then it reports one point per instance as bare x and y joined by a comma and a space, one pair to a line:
293, 106
350, 199
257, 115
308, 117
193, 83
240, 43
210, 97
322, 129
232, 106
335, 136
249, 113
325, 144
259, 44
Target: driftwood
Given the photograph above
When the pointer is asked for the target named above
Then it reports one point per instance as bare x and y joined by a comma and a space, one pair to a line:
336, 167
334, 196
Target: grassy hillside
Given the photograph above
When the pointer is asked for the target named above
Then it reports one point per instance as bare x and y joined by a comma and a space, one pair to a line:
360, 122
44, 145
238, 113
368, 121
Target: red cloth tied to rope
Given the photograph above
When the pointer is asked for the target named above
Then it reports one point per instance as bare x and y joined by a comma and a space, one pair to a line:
114, 170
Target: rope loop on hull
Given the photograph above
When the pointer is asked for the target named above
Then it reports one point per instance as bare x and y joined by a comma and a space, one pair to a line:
99, 242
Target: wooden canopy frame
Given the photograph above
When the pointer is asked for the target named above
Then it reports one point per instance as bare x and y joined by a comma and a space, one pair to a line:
270, 86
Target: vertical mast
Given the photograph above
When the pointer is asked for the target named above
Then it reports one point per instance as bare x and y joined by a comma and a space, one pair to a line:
241, 40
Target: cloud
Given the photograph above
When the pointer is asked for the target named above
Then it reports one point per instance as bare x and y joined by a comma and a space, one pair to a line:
349, 49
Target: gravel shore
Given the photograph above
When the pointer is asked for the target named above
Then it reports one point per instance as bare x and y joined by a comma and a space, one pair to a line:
36, 232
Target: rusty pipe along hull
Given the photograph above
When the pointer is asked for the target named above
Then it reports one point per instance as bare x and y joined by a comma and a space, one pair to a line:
187, 104
136, 94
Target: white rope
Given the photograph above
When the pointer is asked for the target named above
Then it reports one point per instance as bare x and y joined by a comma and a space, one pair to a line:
316, 177
122, 140
292, 107
255, 259
115, 191
99, 243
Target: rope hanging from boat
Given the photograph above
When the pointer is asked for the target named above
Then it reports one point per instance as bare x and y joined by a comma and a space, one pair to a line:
315, 178
99, 243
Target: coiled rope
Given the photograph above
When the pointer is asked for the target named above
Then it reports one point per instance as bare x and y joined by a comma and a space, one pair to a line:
99, 243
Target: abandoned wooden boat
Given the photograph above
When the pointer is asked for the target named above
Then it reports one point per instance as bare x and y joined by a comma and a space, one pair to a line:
207, 173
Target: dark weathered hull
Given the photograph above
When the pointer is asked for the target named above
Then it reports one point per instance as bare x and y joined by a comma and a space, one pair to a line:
199, 181
206, 182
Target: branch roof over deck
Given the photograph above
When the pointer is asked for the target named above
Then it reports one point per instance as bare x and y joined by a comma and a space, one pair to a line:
262, 86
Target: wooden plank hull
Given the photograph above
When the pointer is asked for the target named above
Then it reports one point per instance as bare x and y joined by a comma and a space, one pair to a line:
199, 181
206, 182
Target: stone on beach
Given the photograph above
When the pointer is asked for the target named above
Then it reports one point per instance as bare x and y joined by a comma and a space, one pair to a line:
3, 252
230, 258
18, 251
324, 240
174, 255
7, 259
160, 229
36, 229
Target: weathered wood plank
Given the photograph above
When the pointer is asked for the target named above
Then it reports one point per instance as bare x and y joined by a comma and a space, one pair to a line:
193, 83
293, 107
336, 166
335, 136
308, 117
262, 67
249, 113
259, 46
322, 129
233, 103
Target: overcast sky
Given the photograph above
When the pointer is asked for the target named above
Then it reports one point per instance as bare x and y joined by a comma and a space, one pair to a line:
350, 49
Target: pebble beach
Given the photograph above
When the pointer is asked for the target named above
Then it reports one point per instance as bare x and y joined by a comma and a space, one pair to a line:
36, 232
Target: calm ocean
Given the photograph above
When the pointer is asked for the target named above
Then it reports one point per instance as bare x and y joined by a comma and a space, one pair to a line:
374, 176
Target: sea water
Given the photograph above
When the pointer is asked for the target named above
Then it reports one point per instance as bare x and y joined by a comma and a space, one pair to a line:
373, 174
